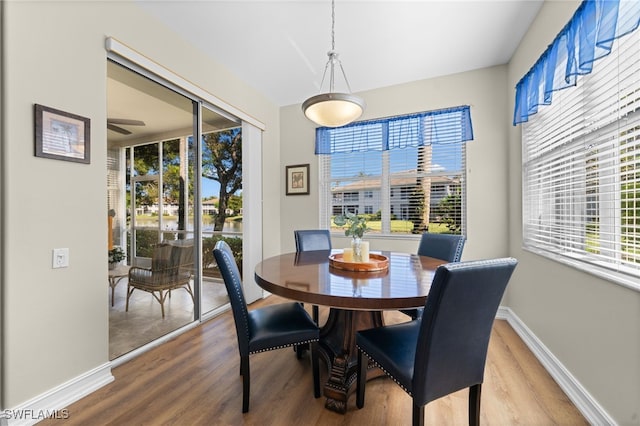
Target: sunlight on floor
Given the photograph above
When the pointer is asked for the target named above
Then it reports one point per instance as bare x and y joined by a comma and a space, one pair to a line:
144, 323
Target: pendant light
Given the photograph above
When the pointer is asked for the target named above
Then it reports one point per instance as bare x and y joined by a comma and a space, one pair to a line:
333, 109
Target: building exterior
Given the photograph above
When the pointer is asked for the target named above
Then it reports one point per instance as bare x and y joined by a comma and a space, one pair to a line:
365, 196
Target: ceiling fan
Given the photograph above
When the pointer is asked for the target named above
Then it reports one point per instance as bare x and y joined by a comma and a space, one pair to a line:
111, 124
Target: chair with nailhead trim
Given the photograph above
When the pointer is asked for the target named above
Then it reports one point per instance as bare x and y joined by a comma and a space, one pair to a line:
313, 240
445, 350
267, 328
441, 246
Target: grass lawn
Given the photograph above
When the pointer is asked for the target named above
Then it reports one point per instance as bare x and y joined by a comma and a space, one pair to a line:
401, 227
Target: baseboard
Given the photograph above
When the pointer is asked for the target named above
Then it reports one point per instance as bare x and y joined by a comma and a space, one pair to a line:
594, 413
52, 403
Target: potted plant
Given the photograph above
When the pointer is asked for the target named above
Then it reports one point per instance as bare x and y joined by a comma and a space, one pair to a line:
116, 255
356, 228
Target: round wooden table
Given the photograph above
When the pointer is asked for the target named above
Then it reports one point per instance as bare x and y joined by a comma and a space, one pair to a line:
356, 299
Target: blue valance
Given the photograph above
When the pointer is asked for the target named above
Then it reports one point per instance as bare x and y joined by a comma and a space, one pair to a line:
432, 127
588, 36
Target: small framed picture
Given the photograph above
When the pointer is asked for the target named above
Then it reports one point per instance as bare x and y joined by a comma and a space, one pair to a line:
298, 179
61, 135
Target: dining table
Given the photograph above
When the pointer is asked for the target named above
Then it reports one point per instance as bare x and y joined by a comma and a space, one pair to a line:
356, 297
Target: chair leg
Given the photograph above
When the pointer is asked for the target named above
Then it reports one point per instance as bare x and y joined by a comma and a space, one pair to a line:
244, 364
315, 368
246, 383
129, 291
299, 351
315, 314
188, 288
474, 404
161, 299
361, 380
418, 415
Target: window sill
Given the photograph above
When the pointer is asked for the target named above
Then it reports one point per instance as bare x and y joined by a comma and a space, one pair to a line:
626, 280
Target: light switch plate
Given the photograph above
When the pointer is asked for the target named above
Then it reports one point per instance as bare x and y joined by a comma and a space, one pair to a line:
60, 258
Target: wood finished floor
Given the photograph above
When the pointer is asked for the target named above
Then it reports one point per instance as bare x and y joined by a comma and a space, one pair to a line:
194, 380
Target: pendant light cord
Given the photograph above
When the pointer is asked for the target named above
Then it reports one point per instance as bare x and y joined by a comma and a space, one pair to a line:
333, 56
333, 25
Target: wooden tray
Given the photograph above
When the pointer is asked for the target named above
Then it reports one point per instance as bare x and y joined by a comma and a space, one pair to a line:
377, 262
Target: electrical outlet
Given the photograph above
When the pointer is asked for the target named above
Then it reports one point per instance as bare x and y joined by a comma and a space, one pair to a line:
61, 258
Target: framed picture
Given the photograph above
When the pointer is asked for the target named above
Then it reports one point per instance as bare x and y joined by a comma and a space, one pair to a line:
298, 179
61, 135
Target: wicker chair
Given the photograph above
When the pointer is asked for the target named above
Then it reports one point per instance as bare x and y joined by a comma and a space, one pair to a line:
171, 269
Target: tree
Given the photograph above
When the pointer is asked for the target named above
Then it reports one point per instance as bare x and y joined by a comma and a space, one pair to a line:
451, 209
235, 203
222, 162
416, 209
146, 163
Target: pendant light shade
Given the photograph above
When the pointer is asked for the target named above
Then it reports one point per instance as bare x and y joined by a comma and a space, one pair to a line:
333, 109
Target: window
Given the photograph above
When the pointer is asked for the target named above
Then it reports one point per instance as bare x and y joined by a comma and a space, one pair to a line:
350, 197
407, 173
581, 168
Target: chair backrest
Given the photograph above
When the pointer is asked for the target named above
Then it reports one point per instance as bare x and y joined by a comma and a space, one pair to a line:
442, 246
456, 326
233, 283
161, 257
170, 259
312, 239
182, 256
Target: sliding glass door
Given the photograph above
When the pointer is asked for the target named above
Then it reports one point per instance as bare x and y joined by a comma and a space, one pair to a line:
170, 192
221, 200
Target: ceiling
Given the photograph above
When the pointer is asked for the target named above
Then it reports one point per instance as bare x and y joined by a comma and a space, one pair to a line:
164, 113
280, 47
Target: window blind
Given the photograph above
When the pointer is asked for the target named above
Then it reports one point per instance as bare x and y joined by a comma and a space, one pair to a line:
581, 168
115, 187
405, 173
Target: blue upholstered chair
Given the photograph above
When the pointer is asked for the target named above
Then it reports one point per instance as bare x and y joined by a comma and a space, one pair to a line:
441, 246
267, 328
313, 240
445, 350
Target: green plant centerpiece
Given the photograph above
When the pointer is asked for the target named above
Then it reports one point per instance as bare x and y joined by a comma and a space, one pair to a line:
356, 228
116, 255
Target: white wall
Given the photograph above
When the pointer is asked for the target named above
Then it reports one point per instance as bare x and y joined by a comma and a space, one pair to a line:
55, 322
485, 91
591, 325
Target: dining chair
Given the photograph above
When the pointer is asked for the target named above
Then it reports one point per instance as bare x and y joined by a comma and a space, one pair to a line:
441, 246
171, 269
313, 240
267, 328
446, 349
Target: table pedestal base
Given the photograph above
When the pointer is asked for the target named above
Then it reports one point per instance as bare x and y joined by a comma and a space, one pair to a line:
338, 348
